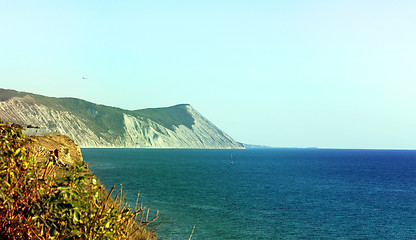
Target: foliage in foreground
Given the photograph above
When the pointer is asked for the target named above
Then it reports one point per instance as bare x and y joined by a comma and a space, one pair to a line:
36, 205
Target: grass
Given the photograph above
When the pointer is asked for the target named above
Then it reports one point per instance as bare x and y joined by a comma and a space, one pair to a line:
41, 201
6, 94
169, 117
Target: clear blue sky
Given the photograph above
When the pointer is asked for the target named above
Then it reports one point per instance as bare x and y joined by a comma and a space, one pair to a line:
281, 73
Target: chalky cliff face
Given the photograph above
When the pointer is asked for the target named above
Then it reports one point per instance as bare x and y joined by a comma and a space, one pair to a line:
26, 112
203, 134
91, 125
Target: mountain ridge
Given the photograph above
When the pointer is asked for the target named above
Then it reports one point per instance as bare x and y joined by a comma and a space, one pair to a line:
96, 125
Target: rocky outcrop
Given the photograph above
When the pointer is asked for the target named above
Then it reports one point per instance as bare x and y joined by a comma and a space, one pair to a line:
137, 131
69, 152
140, 132
26, 112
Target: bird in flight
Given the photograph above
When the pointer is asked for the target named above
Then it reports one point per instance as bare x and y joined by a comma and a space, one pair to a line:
84, 78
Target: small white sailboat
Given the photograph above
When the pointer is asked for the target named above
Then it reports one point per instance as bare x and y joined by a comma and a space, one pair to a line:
231, 160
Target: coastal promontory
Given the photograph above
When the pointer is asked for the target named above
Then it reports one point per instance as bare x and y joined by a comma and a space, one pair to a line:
96, 126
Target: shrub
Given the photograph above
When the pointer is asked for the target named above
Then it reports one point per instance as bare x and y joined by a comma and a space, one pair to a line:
36, 205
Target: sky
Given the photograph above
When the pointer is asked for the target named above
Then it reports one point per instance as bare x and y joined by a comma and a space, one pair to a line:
324, 73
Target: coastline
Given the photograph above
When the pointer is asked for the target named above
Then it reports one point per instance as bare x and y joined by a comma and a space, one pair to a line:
71, 154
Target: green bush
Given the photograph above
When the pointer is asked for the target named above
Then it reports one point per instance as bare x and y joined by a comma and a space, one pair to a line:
36, 205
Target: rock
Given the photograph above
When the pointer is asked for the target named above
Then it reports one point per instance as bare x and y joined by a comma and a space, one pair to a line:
92, 125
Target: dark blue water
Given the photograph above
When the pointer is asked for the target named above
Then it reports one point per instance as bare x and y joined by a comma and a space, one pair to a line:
270, 193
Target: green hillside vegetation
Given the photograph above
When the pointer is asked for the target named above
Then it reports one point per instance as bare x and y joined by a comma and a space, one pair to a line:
6, 94
99, 118
169, 117
108, 120
40, 201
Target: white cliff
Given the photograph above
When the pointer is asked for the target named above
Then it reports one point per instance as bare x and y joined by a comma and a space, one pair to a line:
139, 132
24, 111
142, 132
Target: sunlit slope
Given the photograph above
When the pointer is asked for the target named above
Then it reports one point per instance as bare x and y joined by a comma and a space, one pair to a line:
94, 125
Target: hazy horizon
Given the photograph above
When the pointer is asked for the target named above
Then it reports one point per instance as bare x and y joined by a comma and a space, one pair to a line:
326, 74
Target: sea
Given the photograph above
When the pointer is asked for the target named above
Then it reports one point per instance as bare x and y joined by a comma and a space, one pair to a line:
267, 193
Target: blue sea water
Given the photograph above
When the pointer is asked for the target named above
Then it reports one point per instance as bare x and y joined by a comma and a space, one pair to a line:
268, 193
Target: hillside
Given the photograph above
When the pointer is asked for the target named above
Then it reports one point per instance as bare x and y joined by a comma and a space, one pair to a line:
94, 125
41, 200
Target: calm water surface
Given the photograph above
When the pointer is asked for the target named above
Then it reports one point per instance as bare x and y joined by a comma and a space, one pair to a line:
269, 193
